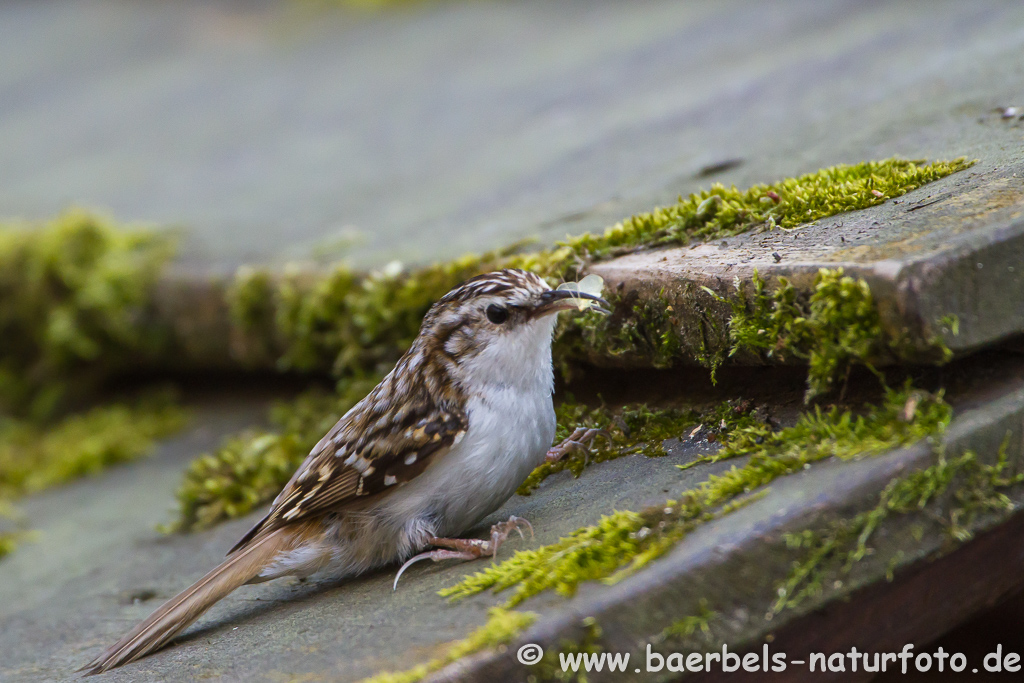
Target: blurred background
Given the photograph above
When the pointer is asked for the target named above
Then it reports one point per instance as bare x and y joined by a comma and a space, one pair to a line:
289, 129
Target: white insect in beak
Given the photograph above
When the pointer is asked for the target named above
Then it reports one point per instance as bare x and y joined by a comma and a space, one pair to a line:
591, 284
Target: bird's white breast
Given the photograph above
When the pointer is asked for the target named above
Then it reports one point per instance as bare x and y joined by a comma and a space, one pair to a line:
511, 426
508, 435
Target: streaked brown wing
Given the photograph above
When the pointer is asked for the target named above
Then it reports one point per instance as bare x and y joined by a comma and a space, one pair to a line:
373, 448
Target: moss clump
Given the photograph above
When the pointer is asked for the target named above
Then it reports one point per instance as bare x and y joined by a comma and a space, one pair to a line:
250, 468
633, 430
73, 295
687, 626
8, 544
833, 328
723, 212
8, 539
549, 668
648, 329
903, 417
622, 542
348, 325
978, 490
34, 457
501, 627
76, 290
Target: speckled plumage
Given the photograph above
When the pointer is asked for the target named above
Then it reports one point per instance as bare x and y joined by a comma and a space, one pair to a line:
440, 443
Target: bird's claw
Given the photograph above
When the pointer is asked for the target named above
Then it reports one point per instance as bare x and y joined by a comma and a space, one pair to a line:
579, 441
436, 556
501, 530
468, 548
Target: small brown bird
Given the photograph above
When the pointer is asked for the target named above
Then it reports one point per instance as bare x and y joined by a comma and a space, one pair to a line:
443, 441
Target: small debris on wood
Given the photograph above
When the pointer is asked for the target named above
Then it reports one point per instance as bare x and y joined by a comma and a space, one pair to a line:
139, 596
621, 424
910, 407
719, 167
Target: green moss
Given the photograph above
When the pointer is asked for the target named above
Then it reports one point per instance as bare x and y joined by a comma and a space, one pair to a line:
8, 544
622, 542
903, 417
349, 325
687, 626
34, 457
634, 430
974, 487
73, 295
723, 212
549, 668
833, 328
75, 301
250, 468
651, 331
76, 290
501, 627
647, 330
8, 539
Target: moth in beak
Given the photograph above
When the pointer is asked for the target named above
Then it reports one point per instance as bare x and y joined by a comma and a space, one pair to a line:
579, 295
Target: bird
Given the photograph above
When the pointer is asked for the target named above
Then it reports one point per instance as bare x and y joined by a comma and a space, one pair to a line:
443, 441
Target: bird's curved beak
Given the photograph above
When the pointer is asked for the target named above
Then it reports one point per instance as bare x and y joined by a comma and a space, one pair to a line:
555, 300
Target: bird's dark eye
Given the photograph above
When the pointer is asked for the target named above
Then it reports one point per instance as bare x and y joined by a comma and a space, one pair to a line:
497, 314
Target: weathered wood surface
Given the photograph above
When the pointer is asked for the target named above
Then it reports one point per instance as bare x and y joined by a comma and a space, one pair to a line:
952, 248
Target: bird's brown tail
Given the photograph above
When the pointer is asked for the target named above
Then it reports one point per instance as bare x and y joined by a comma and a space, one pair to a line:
176, 614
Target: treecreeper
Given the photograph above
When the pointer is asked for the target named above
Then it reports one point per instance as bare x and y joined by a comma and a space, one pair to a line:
443, 441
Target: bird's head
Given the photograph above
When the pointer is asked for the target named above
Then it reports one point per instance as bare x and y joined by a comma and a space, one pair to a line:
497, 327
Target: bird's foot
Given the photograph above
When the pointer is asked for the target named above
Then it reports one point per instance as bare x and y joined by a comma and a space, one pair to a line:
578, 441
468, 548
501, 530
